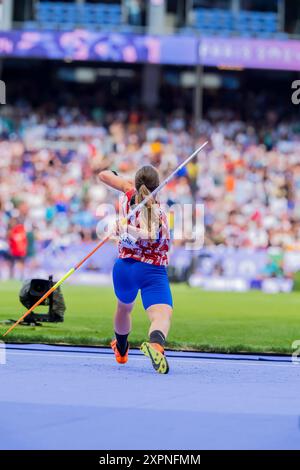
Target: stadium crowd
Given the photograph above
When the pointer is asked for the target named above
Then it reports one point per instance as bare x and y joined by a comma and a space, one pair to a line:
248, 177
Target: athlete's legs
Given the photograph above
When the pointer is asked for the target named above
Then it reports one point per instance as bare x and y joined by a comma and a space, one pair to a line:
160, 318
122, 327
126, 292
122, 320
157, 301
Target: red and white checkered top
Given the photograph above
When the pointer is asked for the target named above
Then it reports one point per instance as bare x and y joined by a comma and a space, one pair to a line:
145, 250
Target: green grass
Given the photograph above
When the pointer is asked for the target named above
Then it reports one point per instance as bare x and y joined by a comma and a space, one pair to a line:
204, 321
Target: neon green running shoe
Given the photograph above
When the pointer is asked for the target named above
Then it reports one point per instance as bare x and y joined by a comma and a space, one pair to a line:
157, 355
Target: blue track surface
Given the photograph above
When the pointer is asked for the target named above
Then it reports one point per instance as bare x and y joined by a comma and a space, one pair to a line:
79, 398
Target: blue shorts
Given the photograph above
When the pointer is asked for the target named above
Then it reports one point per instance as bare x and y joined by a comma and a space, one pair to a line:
130, 276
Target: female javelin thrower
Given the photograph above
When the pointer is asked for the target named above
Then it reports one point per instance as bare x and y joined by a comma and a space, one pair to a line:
143, 257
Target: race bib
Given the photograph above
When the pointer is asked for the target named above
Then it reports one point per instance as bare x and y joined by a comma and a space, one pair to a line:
128, 240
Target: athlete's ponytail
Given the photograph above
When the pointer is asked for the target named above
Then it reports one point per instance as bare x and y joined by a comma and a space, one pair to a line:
144, 192
146, 180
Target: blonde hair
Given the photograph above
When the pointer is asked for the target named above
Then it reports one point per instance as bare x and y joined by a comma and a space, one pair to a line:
146, 181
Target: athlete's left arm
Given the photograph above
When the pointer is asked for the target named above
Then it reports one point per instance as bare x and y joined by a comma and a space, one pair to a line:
115, 181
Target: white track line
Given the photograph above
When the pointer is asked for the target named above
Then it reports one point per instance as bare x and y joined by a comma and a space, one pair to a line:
141, 358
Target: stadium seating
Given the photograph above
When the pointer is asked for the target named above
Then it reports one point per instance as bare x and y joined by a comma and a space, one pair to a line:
246, 23
71, 15
208, 21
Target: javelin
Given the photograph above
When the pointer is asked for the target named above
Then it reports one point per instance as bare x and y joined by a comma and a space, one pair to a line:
101, 243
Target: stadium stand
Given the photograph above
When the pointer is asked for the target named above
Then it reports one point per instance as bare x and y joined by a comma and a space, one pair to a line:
212, 21
66, 16
226, 22
248, 178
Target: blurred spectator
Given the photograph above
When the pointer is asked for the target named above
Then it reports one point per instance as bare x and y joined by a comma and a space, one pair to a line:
17, 242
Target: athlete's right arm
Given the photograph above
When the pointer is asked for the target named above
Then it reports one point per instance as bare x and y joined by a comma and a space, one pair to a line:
115, 181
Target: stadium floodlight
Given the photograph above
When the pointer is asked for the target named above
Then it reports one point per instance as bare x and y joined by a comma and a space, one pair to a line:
102, 242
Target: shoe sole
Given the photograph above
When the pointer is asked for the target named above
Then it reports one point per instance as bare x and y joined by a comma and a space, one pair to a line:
159, 361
